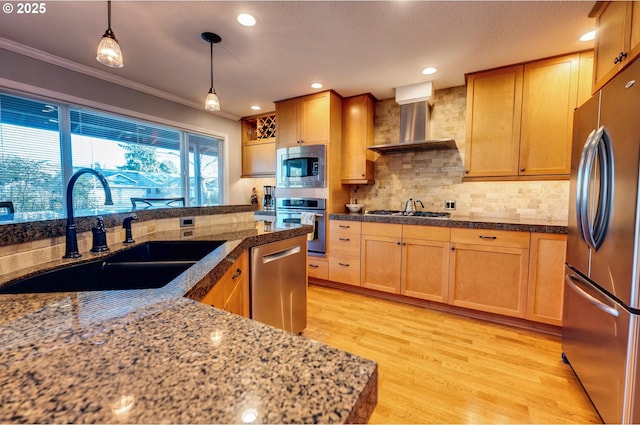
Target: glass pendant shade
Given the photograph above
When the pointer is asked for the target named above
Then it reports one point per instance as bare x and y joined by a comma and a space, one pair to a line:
212, 103
109, 52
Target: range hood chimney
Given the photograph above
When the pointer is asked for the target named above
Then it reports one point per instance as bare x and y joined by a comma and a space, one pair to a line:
415, 122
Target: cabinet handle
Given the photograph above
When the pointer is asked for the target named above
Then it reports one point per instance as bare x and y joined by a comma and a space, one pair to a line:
314, 266
398, 243
236, 274
343, 226
466, 171
488, 237
404, 244
453, 248
343, 264
344, 239
522, 170
622, 56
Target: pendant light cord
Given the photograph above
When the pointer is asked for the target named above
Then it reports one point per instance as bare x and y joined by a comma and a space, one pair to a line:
109, 16
211, 68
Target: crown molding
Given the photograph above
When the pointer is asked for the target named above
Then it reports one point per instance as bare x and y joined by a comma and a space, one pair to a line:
43, 56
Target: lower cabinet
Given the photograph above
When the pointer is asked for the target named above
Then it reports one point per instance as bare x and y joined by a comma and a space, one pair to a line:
546, 278
344, 251
317, 267
489, 270
231, 292
381, 256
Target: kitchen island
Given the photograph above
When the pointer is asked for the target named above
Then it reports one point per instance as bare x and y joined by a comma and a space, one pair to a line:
156, 356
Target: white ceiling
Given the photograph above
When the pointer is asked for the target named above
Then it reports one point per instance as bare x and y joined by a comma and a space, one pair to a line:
351, 47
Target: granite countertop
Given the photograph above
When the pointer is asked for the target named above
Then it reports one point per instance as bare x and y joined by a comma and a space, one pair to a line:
156, 356
461, 221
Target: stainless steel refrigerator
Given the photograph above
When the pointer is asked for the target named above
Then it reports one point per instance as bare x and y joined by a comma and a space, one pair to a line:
601, 293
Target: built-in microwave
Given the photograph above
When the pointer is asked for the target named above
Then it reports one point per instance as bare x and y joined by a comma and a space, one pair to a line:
301, 166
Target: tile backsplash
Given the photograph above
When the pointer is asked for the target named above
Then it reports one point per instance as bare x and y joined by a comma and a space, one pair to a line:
436, 176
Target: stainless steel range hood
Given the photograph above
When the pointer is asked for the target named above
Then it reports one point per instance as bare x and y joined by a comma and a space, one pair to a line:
415, 125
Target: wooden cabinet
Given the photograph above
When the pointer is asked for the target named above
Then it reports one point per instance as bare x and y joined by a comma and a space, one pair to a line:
231, 292
344, 251
317, 267
520, 118
425, 262
488, 270
546, 278
305, 119
259, 145
358, 114
406, 259
617, 38
381, 256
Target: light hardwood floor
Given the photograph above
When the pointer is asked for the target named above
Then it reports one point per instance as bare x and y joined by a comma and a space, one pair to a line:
437, 367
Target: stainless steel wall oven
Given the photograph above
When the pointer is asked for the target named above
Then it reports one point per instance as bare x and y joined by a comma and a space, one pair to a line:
289, 210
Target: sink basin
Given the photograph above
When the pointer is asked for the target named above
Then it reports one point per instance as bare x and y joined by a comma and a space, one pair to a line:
145, 266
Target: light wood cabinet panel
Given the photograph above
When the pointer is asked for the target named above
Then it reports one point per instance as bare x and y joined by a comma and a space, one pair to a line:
259, 145
494, 102
520, 118
489, 278
382, 229
585, 77
546, 278
550, 91
381, 262
612, 39
490, 237
344, 251
318, 268
304, 120
357, 133
425, 269
231, 292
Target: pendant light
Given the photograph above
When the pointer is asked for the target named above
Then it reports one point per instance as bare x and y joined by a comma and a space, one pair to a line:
212, 103
109, 52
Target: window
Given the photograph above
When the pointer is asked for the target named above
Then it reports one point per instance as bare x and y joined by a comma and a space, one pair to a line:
138, 159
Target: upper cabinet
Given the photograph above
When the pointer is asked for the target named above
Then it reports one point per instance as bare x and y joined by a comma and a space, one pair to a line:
520, 118
357, 133
259, 145
306, 119
617, 38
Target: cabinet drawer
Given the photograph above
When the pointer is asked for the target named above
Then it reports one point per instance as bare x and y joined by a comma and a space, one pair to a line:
344, 245
426, 232
345, 227
317, 268
344, 271
502, 238
382, 229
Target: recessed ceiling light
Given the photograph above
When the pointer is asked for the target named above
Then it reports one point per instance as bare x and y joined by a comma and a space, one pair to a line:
316, 85
256, 108
430, 70
588, 36
246, 20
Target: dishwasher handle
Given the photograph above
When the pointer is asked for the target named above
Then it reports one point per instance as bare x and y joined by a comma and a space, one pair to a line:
280, 254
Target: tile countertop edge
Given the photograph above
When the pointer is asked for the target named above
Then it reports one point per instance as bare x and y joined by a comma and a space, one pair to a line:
36, 324
522, 225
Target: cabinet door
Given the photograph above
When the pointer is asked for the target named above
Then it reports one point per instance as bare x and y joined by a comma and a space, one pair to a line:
381, 263
611, 39
546, 278
494, 107
236, 286
585, 77
315, 119
489, 278
259, 160
425, 269
215, 296
238, 301
357, 133
288, 119
550, 92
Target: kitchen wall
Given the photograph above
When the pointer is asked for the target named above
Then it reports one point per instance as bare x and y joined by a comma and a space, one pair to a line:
436, 176
28, 74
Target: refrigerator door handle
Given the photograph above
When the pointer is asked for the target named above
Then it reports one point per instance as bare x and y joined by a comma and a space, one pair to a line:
582, 189
573, 281
604, 150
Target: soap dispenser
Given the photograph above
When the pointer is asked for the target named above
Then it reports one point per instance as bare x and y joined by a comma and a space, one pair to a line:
99, 237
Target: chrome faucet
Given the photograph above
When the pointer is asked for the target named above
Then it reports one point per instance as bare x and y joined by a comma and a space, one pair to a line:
410, 207
71, 250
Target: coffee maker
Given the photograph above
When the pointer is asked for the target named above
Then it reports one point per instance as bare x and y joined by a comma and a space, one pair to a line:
269, 199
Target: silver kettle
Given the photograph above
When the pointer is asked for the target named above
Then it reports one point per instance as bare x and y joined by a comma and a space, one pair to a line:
410, 207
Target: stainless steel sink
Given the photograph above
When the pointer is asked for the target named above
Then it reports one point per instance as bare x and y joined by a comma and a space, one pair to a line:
145, 266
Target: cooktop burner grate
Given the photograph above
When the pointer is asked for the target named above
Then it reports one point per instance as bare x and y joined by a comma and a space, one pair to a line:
428, 214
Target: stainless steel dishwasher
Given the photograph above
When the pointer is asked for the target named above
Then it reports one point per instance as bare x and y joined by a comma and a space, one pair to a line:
279, 284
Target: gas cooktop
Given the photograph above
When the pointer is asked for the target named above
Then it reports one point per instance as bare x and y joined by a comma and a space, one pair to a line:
427, 214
